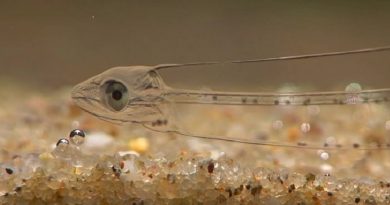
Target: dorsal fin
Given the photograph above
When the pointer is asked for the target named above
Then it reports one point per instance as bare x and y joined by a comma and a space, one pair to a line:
283, 58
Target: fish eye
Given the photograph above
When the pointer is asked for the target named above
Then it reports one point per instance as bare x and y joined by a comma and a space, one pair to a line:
116, 95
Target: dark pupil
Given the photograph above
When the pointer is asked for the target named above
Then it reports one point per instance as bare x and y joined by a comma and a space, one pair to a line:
117, 95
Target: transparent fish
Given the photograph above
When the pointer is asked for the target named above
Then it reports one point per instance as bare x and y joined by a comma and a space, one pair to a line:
138, 94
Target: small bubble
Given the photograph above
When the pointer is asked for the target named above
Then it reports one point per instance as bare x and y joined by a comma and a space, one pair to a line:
305, 127
61, 145
77, 137
277, 125
62, 142
324, 155
353, 88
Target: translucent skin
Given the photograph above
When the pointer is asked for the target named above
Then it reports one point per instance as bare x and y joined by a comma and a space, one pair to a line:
150, 97
145, 90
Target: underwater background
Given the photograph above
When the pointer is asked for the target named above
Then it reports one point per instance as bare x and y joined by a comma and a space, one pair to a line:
47, 47
61, 43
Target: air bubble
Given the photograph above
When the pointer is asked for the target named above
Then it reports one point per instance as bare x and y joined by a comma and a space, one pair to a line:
353, 88
61, 149
62, 143
305, 127
324, 156
64, 151
77, 137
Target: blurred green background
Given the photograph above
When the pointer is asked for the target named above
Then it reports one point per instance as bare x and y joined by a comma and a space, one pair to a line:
55, 43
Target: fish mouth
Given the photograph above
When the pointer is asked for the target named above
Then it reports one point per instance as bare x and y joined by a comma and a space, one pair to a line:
86, 96
87, 99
